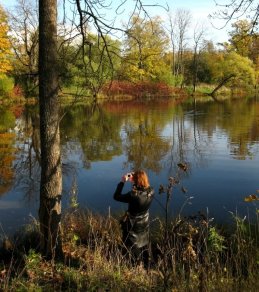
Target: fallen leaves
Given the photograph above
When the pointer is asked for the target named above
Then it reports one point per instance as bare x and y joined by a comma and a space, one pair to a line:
251, 198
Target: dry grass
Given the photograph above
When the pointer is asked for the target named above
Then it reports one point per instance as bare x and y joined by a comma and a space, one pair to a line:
188, 255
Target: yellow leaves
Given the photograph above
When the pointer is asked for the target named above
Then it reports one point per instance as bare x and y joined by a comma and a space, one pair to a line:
146, 50
5, 45
5, 65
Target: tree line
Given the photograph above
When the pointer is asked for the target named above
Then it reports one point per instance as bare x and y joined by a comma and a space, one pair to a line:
150, 50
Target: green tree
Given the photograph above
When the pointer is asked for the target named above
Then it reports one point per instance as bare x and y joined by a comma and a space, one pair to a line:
145, 46
245, 43
241, 41
254, 50
241, 67
208, 69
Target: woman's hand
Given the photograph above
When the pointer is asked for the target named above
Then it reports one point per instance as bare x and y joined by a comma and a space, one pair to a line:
127, 176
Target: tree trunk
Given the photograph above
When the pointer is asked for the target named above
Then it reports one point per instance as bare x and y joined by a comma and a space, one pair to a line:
225, 80
51, 175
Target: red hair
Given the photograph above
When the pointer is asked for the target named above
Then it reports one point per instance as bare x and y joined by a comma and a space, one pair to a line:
140, 179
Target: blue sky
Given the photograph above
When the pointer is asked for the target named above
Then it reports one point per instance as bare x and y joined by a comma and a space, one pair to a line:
199, 9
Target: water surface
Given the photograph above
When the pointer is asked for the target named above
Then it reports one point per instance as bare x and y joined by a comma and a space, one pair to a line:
219, 142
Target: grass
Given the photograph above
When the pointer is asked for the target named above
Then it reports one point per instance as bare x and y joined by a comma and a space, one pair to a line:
188, 254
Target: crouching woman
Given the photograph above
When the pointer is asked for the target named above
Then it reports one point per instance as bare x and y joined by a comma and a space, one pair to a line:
135, 223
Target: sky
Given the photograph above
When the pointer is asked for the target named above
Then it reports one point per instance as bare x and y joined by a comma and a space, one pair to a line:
199, 9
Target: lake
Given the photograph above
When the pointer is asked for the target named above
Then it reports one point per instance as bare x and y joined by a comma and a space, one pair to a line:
218, 141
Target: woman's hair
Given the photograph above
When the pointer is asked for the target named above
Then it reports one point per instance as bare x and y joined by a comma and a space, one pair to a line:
140, 179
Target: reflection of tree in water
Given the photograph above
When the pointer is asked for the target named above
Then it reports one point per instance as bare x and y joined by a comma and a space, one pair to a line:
243, 130
100, 133
145, 143
27, 165
21, 159
93, 131
145, 147
7, 150
7, 157
187, 145
142, 126
84, 129
237, 120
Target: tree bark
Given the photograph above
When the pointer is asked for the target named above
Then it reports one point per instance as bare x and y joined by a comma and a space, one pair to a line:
51, 175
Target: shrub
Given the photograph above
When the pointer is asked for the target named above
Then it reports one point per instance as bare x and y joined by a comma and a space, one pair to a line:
138, 90
6, 85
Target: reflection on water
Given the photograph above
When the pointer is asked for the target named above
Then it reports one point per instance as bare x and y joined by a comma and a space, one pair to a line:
218, 141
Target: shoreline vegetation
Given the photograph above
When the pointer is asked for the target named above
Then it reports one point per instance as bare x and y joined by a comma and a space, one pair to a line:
126, 91
186, 254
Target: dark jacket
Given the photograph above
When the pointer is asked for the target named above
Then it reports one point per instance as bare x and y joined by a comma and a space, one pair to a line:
135, 227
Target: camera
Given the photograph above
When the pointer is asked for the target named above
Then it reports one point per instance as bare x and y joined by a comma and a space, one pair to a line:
129, 175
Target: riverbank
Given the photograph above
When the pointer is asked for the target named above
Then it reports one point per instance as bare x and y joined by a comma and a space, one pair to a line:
187, 254
123, 91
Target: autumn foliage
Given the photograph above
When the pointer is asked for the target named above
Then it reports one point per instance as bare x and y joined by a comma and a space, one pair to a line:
5, 46
139, 90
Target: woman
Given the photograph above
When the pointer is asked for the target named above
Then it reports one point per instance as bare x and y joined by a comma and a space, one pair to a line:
135, 224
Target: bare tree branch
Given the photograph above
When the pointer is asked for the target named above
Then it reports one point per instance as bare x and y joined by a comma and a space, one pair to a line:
236, 9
